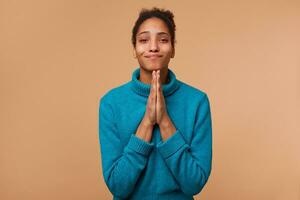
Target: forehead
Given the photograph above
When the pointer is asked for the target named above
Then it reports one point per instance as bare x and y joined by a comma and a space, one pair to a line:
153, 25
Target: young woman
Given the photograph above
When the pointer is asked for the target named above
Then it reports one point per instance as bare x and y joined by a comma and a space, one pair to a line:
155, 131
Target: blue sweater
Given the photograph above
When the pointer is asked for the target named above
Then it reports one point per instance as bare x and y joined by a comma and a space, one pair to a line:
175, 169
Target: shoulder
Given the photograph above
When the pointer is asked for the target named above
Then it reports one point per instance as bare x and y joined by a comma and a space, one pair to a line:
113, 94
197, 98
192, 92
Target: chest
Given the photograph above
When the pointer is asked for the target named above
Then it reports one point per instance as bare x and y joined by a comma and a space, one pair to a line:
130, 117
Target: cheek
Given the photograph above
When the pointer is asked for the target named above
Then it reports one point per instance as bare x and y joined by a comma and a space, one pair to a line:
140, 50
166, 48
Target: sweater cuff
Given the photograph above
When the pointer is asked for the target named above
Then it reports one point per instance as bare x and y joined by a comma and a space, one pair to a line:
171, 145
139, 145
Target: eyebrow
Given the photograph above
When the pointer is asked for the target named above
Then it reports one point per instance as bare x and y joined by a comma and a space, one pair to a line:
159, 33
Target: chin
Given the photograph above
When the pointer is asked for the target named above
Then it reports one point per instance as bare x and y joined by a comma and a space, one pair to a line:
156, 67
149, 67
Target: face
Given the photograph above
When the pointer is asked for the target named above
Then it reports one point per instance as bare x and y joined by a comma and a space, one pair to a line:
153, 48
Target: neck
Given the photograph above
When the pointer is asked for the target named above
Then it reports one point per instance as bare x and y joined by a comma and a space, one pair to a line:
146, 76
143, 88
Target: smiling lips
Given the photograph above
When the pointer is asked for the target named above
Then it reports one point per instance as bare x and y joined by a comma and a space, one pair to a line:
153, 56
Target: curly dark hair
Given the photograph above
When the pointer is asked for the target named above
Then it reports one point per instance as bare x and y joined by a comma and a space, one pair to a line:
166, 15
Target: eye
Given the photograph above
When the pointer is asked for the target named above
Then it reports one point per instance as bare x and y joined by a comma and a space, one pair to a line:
142, 40
164, 40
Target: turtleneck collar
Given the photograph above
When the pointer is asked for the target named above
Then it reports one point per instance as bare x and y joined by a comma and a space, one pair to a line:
144, 89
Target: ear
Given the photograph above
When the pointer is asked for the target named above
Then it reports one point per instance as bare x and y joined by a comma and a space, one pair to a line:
173, 52
134, 52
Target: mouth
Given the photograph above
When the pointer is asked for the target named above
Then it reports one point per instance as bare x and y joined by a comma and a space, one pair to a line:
153, 56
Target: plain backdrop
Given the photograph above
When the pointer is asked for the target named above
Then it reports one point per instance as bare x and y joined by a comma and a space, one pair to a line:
58, 57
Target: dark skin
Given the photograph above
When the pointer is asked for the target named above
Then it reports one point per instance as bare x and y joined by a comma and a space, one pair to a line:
153, 51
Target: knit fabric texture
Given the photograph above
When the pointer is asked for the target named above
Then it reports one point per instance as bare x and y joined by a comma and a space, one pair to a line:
175, 169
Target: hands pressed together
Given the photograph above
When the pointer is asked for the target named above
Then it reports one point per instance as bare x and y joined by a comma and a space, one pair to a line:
156, 108
156, 112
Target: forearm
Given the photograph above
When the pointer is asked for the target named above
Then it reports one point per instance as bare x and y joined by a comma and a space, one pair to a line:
167, 128
121, 166
181, 158
122, 174
144, 131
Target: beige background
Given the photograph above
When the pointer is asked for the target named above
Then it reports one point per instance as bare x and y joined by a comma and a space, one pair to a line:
57, 58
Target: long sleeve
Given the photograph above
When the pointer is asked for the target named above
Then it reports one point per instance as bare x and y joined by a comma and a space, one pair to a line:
121, 166
191, 164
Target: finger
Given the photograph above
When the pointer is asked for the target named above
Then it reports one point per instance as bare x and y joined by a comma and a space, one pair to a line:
160, 93
158, 90
158, 74
152, 82
151, 89
154, 86
159, 80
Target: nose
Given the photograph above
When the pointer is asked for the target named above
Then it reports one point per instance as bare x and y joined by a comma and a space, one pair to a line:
154, 46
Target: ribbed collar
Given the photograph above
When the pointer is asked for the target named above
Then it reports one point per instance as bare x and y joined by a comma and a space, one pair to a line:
144, 89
